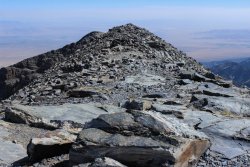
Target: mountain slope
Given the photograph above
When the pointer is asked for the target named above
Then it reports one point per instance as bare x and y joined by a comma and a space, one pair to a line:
93, 48
121, 98
238, 72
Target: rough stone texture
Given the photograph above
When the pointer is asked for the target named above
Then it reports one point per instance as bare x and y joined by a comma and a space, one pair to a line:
145, 79
68, 116
9, 151
49, 145
149, 95
176, 110
139, 139
225, 106
228, 135
121, 61
102, 162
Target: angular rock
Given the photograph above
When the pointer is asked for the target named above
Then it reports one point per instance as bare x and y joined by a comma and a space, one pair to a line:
78, 113
137, 105
155, 95
211, 89
213, 93
51, 144
244, 134
185, 81
23, 117
222, 105
145, 79
82, 93
191, 75
176, 110
139, 139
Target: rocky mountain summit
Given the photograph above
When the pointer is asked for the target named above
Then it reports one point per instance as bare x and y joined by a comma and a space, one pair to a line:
121, 98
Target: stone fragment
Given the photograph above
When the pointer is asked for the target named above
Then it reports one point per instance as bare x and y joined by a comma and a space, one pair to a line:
155, 95
88, 92
137, 105
244, 134
145, 79
18, 116
102, 162
176, 110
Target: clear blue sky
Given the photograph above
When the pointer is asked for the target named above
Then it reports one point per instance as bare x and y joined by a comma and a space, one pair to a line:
56, 9
206, 30
121, 3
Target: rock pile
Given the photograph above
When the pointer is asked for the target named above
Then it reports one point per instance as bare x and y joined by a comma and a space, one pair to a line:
121, 98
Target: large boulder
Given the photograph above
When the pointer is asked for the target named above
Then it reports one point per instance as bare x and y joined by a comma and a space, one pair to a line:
139, 139
49, 145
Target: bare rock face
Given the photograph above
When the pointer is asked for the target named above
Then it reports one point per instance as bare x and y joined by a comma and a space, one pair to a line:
12, 79
139, 139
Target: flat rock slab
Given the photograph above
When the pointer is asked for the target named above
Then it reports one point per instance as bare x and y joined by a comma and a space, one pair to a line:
229, 136
79, 113
223, 137
223, 105
145, 79
9, 151
228, 128
228, 147
212, 89
176, 110
202, 119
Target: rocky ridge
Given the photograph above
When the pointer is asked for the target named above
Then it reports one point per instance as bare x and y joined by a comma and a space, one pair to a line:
237, 71
121, 98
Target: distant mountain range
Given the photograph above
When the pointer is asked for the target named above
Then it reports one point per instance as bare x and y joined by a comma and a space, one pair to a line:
237, 70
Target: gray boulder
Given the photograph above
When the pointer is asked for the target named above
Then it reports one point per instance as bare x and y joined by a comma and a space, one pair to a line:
139, 139
51, 144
